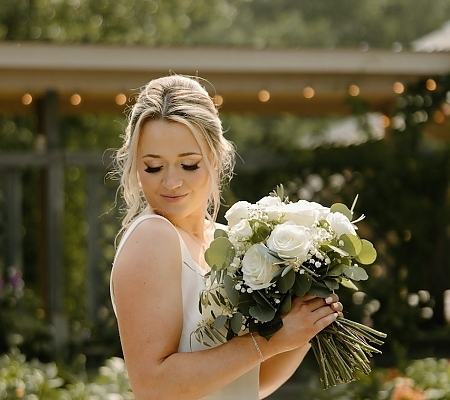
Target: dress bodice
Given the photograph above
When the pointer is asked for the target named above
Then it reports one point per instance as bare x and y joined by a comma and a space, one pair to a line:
245, 387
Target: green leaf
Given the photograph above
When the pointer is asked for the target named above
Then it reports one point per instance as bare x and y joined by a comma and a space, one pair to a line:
348, 284
286, 282
268, 329
356, 273
220, 253
268, 254
338, 250
352, 244
232, 293
368, 254
262, 312
220, 321
260, 233
343, 209
302, 284
319, 289
220, 233
285, 305
246, 300
331, 284
236, 322
338, 270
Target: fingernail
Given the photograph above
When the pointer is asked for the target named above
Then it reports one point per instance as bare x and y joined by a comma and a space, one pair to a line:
336, 315
329, 300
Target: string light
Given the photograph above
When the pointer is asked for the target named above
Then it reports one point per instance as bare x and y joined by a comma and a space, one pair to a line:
121, 99
431, 84
217, 100
446, 108
263, 96
398, 87
353, 90
75, 99
439, 117
386, 121
27, 99
308, 92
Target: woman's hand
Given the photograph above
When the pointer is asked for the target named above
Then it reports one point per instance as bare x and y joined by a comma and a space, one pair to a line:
307, 317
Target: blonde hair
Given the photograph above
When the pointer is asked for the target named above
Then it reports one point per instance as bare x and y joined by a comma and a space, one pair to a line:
174, 98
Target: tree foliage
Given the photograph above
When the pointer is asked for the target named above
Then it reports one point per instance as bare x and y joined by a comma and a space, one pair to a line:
251, 23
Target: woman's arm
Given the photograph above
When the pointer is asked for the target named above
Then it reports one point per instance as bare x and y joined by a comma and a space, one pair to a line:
147, 292
276, 370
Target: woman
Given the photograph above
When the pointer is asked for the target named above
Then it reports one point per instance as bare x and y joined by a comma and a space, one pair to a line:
172, 164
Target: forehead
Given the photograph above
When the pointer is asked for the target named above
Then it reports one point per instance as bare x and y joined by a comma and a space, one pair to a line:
162, 137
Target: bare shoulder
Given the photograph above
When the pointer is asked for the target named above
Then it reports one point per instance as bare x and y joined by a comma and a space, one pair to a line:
151, 250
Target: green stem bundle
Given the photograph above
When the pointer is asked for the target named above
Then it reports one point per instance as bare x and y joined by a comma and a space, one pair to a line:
342, 349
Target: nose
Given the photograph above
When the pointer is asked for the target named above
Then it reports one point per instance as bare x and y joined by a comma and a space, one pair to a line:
172, 180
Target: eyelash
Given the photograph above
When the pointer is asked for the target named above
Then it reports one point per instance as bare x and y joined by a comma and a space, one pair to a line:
153, 170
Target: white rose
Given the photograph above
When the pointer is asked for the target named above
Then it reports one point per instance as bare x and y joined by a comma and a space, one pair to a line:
290, 240
305, 213
242, 230
270, 201
257, 271
340, 224
238, 211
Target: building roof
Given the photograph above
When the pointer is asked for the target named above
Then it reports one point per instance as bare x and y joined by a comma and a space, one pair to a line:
98, 73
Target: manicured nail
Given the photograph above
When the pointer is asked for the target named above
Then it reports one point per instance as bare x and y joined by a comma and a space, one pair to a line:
329, 300
336, 315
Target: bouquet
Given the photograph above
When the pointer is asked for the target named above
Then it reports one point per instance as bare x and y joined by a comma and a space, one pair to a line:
276, 249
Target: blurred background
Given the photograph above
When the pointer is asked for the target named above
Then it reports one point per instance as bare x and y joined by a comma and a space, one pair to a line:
332, 99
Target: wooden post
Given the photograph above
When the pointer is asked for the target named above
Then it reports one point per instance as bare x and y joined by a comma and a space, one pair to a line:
13, 204
48, 114
93, 179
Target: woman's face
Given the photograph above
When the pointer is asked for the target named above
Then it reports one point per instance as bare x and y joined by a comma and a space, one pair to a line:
172, 170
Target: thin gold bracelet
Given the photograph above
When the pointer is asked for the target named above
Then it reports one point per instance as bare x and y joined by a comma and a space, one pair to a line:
257, 348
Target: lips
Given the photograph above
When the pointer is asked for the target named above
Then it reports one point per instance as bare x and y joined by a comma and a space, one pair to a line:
172, 198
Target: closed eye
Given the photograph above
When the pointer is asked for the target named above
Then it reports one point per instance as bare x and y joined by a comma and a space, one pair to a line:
190, 167
152, 170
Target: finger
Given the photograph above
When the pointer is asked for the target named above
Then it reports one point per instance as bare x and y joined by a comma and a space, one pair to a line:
337, 306
326, 319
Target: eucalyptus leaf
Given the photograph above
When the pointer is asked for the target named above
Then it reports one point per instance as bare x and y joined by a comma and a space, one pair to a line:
285, 305
331, 284
269, 255
268, 329
338, 250
220, 253
260, 298
338, 270
262, 312
232, 293
368, 254
286, 282
302, 284
356, 273
348, 284
260, 232
343, 209
220, 233
319, 289
236, 322
220, 321
246, 300
352, 244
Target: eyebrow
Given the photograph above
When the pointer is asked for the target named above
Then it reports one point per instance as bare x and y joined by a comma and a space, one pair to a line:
179, 155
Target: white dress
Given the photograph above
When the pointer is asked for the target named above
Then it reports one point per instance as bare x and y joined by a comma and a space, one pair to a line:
245, 387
